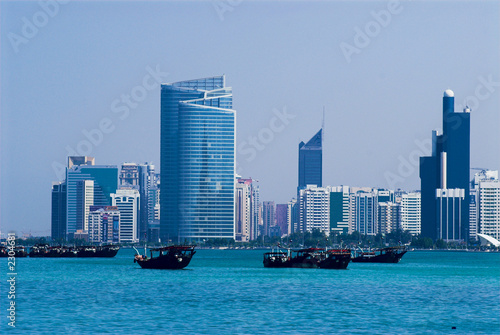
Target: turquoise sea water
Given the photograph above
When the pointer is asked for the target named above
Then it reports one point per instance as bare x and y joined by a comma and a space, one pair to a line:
230, 292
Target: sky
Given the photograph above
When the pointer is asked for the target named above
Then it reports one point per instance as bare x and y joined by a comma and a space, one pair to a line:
378, 70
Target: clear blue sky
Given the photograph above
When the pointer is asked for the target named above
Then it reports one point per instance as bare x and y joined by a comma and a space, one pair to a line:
68, 73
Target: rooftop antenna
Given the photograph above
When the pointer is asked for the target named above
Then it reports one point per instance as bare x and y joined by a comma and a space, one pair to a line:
323, 125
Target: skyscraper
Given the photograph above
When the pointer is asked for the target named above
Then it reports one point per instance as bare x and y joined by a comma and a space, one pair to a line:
243, 210
411, 213
58, 226
129, 175
84, 199
311, 162
444, 177
128, 201
366, 213
197, 160
256, 211
281, 219
314, 209
339, 210
268, 216
147, 181
105, 179
388, 217
487, 193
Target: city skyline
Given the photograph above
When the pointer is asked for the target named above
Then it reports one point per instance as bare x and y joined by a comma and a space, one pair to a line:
377, 119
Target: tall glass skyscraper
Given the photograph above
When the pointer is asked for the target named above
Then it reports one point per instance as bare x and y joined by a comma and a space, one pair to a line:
197, 160
105, 179
311, 162
444, 177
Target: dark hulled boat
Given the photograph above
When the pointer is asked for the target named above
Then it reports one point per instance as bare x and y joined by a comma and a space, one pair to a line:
39, 250
174, 257
308, 258
383, 255
105, 251
19, 251
276, 260
46, 251
335, 259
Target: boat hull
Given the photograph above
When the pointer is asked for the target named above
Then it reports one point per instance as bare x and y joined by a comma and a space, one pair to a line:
333, 261
309, 259
169, 258
18, 252
165, 263
103, 252
390, 257
46, 251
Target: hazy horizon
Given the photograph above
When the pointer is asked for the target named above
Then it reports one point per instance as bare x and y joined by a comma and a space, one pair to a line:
378, 69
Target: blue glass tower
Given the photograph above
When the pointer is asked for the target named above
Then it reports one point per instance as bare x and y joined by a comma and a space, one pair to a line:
444, 177
197, 160
105, 179
311, 162
58, 231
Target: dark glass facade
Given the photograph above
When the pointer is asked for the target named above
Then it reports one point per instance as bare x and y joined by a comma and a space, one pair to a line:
455, 142
337, 220
58, 220
311, 162
105, 179
197, 160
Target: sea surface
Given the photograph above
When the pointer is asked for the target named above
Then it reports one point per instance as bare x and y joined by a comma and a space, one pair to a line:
230, 292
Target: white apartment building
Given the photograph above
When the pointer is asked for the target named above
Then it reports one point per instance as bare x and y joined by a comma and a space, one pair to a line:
128, 202
314, 209
410, 211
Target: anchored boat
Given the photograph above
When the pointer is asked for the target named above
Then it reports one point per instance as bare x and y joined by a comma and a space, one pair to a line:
308, 258
172, 258
383, 255
46, 251
18, 251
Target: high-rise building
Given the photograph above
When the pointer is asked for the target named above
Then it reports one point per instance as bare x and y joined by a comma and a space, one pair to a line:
243, 210
58, 221
84, 199
314, 209
268, 216
256, 212
153, 204
410, 212
147, 181
388, 217
353, 214
105, 178
281, 219
104, 224
197, 160
473, 213
129, 175
339, 210
487, 189
444, 177
366, 213
311, 162
128, 203
292, 216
